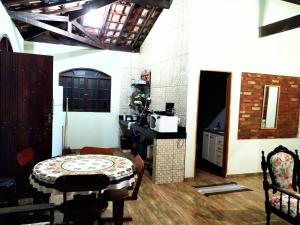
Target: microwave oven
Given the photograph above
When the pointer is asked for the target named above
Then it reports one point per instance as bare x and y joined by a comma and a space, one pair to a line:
164, 124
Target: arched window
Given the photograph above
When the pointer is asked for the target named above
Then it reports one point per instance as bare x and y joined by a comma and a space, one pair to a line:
5, 45
87, 90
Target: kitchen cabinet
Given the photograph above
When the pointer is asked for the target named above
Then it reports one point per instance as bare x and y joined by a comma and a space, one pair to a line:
205, 145
212, 149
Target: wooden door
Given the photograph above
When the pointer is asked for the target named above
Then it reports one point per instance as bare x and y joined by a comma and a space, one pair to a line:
25, 108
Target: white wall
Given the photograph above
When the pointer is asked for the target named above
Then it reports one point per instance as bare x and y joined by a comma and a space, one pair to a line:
84, 128
130, 70
9, 30
225, 38
190, 37
165, 53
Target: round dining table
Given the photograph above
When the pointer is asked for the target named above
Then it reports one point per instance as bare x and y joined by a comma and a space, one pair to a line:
118, 169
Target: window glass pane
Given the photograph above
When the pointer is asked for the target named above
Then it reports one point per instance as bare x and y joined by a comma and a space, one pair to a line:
85, 73
79, 72
76, 93
91, 73
77, 104
67, 92
81, 93
92, 83
90, 92
103, 94
68, 82
81, 82
76, 82
104, 84
92, 104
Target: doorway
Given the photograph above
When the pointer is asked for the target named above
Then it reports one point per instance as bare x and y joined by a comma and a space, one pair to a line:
213, 124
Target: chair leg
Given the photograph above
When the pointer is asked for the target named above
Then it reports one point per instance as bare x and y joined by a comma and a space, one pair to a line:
118, 210
268, 217
268, 212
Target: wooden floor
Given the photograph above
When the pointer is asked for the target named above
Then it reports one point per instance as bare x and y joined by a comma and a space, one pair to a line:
180, 203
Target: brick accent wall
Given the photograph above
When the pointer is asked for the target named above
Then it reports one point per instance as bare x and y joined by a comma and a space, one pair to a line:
251, 104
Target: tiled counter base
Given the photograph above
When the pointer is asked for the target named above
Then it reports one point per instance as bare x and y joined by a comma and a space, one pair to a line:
168, 160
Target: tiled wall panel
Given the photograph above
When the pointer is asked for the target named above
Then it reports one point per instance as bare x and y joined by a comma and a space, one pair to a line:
168, 160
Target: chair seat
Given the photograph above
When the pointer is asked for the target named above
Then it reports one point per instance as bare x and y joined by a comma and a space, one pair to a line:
112, 195
275, 202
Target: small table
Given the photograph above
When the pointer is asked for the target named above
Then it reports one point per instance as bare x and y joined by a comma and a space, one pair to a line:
118, 169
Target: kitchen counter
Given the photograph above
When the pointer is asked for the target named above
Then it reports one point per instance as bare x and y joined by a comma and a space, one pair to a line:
168, 152
215, 131
149, 133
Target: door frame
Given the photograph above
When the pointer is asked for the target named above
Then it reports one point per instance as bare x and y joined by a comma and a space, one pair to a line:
227, 116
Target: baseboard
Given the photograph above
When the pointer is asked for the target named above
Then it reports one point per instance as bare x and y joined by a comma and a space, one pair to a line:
189, 179
244, 175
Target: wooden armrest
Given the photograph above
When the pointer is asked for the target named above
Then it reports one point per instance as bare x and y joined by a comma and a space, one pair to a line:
26, 208
286, 191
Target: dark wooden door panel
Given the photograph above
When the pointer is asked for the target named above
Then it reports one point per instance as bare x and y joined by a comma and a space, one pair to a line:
25, 107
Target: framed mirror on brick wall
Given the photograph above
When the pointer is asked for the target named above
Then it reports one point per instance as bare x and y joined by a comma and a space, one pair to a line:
251, 106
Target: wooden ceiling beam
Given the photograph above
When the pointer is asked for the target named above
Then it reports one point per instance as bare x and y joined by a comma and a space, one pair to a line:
166, 4
84, 31
293, 1
280, 26
144, 24
32, 33
38, 16
16, 16
94, 4
41, 5
125, 23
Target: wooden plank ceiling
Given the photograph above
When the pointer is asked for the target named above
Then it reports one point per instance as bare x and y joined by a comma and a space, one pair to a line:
117, 25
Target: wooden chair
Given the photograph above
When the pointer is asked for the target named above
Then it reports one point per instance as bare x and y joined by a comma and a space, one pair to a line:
10, 187
96, 150
119, 196
281, 196
14, 215
25, 160
82, 209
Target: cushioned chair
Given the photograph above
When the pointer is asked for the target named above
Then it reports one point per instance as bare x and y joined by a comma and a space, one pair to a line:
82, 209
281, 196
96, 150
126, 194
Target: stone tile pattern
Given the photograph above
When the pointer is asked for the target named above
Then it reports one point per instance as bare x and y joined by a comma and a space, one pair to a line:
251, 102
165, 53
168, 161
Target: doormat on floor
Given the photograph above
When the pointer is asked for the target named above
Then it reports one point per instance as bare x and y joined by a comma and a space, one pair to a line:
224, 188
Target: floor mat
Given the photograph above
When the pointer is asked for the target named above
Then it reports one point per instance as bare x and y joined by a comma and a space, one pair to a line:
224, 188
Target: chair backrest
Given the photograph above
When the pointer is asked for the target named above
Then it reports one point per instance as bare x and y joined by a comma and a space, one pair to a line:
75, 183
96, 150
282, 165
25, 157
139, 167
82, 209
